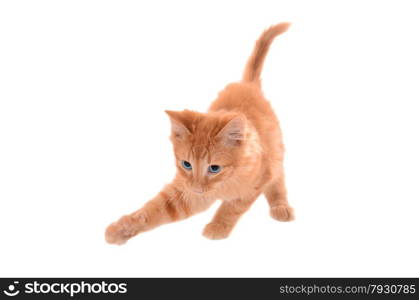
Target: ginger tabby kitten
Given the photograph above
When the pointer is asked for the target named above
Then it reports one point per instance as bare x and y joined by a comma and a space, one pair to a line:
234, 152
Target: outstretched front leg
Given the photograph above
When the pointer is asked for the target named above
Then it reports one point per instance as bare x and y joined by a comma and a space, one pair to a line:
170, 205
227, 216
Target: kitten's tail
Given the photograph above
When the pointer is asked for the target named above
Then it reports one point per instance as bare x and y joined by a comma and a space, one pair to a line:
255, 63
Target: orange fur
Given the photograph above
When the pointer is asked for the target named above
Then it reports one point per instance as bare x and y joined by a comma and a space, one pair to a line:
241, 134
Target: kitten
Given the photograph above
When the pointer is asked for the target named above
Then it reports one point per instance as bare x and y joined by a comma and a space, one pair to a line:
234, 152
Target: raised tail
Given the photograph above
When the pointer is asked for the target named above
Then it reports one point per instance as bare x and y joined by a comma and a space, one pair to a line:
255, 63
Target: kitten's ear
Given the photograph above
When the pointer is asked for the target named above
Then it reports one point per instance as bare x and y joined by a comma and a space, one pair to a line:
179, 130
233, 132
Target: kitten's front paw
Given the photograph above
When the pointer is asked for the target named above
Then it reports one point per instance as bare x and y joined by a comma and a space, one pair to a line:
125, 228
217, 231
282, 213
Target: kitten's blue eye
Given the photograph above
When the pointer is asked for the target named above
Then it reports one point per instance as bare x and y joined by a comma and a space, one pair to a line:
214, 169
187, 165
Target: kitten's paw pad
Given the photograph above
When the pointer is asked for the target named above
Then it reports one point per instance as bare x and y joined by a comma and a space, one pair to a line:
125, 228
216, 231
282, 213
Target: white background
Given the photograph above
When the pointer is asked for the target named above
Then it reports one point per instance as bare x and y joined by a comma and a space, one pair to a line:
84, 139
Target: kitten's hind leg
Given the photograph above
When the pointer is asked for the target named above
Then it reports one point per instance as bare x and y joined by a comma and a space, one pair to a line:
276, 194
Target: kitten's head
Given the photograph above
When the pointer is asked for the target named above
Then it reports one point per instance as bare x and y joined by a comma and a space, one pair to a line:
208, 147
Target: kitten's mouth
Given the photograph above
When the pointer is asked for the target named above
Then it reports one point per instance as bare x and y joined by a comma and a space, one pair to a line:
197, 191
